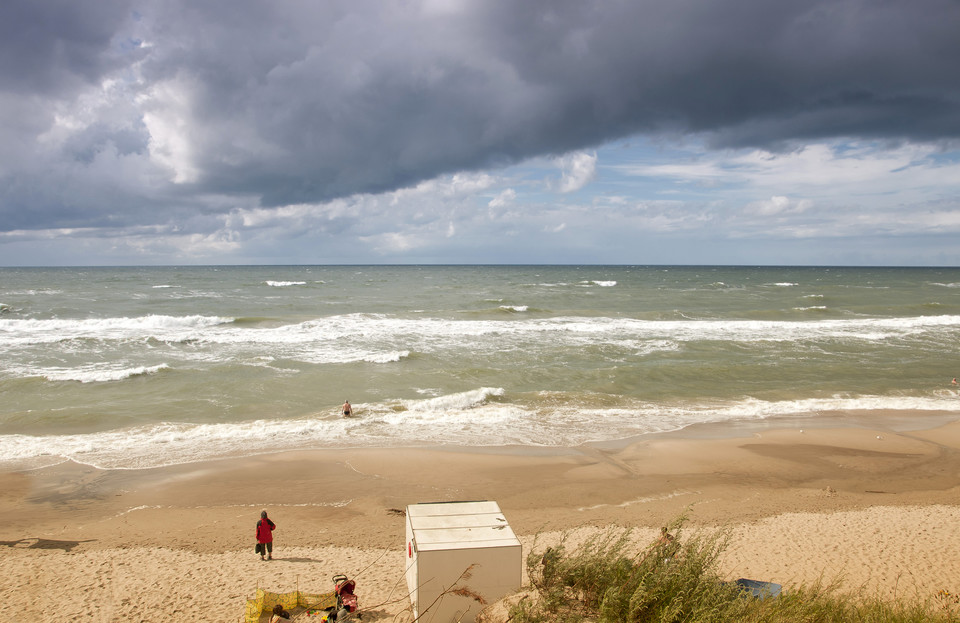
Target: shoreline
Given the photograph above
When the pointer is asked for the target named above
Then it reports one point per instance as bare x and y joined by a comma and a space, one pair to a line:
894, 420
876, 505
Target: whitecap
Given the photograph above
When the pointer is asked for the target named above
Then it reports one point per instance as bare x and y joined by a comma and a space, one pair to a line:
459, 401
389, 357
95, 374
29, 332
594, 282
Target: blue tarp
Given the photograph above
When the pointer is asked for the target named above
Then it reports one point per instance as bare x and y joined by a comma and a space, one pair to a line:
759, 589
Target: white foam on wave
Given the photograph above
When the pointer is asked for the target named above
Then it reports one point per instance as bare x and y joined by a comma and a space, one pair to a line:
385, 339
459, 402
34, 292
598, 283
98, 374
515, 308
648, 347
285, 284
774, 330
33, 331
387, 357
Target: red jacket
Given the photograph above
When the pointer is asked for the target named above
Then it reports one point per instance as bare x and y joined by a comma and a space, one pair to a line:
265, 531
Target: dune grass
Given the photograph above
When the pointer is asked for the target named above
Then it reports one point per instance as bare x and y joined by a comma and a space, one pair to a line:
676, 579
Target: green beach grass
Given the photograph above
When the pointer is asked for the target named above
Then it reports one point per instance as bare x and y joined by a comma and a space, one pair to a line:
676, 579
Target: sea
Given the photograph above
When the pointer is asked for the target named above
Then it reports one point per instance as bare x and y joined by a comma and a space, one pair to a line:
143, 367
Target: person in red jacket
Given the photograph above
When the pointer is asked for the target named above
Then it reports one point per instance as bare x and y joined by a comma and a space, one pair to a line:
265, 529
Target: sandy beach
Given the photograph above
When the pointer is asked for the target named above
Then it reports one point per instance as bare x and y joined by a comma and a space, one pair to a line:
875, 507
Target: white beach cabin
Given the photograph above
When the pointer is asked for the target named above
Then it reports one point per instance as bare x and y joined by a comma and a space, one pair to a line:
444, 540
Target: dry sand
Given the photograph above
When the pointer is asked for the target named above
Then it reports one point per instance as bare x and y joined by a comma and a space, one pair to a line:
874, 507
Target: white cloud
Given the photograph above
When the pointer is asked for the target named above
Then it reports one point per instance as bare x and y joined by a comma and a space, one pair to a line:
166, 114
816, 170
393, 242
778, 205
576, 170
504, 198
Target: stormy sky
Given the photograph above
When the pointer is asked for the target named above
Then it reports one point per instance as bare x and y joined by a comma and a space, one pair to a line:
480, 131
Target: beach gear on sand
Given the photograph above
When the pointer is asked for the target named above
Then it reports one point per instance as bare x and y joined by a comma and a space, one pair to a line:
339, 605
344, 587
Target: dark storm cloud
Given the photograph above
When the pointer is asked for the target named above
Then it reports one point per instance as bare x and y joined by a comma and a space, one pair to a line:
303, 101
50, 46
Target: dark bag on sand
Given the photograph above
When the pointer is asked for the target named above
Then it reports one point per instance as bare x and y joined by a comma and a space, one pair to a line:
259, 549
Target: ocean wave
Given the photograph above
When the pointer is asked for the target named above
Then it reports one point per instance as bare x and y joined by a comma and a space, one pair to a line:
285, 284
388, 357
648, 347
504, 310
193, 294
95, 374
362, 336
32, 292
30, 331
587, 283
93, 325
459, 402
380, 338
253, 320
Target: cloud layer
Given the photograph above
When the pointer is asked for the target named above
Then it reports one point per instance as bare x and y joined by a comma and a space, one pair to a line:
171, 116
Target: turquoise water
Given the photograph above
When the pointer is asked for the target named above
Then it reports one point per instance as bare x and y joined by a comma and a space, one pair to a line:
137, 367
